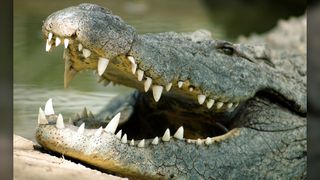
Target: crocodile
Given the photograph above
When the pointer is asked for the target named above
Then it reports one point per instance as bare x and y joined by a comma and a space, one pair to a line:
238, 110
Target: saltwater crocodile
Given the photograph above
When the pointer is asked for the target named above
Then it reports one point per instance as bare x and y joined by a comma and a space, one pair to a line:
237, 110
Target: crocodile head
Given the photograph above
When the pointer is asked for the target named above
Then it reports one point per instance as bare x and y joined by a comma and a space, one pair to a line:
207, 86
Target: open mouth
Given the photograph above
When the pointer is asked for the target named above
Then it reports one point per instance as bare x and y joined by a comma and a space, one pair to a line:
162, 108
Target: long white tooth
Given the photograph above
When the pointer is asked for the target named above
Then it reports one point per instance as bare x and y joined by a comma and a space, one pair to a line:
98, 132
166, 135
60, 123
180, 83
58, 41
113, 124
66, 43
48, 45
168, 86
190, 89
134, 68
201, 98
210, 103
131, 59
132, 142
219, 105
230, 105
140, 74
42, 117
179, 133
119, 134
208, 141
124, 139
157, 91
147, 84
86, 53
102, 65
80, 47
50, 36
141, 143
81, 129
48, 109
155, 141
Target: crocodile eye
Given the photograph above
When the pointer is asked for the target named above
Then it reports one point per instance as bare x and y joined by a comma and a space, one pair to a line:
227, 50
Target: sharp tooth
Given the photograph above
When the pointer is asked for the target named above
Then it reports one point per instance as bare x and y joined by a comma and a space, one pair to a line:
69, 72
168, 86
86, 53
133, 68
124, 139
230, 105
90, 115
102, 65
208, 141
42, 117
66, 43
180, 83
140, 74
141, 143
179, 133
113, 124
58, 41
50, 36
98, 132
157, 91
155, 141
236, 105
210, 103
219, 105
147, 84
131, 59
48, 109
198, 142
80, 47
201, 98
119, 134
166, 135
132, 142
81, 129
84, 113
48, 46
60, 123
190, 89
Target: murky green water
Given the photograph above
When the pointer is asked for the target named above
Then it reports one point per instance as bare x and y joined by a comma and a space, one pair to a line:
39, 75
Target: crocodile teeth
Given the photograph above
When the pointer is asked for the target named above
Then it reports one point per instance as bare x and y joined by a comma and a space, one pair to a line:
166, 135
219, 105
86, 53
84, 113
50, 36
132, 142
66, 43
210, 103
179, 133
198, 142
81, 129
134, 68
98, 132
113, 124
48, 45
131, 59
168, 86
42, 117
157, 91
141, 143
124, 139
90, 115
80, 47
208, 141
147, 84
190, 89
180, 83
102, 65
230, 105
140, 74
119, 134
201, 98
155, 141
48, 109
60, 123
58, 41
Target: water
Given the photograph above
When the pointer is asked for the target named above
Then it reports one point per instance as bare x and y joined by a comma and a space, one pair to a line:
39, 75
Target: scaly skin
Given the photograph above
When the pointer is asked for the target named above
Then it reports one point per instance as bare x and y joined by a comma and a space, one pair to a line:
259, 94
